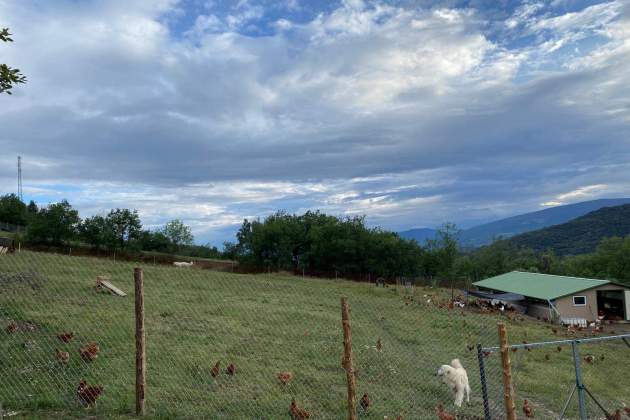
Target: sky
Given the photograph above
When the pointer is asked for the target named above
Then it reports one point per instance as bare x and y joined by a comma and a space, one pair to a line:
411, 113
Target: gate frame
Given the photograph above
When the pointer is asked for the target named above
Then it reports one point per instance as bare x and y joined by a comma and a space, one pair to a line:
579, 386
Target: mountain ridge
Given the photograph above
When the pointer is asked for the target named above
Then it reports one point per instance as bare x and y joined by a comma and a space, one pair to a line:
485, 233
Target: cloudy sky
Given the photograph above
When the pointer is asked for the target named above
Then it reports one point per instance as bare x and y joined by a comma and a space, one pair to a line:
410, 112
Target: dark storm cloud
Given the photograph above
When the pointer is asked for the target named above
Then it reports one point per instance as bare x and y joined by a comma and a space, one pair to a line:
411, 115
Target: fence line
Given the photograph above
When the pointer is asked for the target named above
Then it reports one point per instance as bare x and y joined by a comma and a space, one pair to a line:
579, 386
239, 346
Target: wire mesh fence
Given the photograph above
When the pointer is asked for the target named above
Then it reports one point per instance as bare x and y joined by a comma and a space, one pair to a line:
223, 345
581, 374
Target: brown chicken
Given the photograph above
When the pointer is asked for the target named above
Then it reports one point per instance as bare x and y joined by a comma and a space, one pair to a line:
66, 337
12, 327
231, 369
285, 377
442, 414
215, 370
627, 410
89, 352
559, 349
88, 394
615, 416
527, 409
62, 356
589, 358
365, 402
298, 413
379, 345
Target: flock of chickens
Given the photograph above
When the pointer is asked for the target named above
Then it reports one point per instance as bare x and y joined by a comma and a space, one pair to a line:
86, 394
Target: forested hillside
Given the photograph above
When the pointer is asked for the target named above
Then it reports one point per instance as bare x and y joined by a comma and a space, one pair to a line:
578, 236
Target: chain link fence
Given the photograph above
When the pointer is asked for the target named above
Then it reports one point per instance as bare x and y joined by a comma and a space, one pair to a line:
581, 374
276, 339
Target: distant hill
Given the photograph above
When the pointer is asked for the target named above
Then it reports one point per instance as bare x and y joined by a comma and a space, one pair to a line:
486, 233
505, 228
420, 235
580, 235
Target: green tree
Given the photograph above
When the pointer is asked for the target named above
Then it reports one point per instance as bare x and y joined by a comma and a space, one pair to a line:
55, 224
32, 207
9, 77
94, 231
154, 241
178, 233
12, 210
124, 226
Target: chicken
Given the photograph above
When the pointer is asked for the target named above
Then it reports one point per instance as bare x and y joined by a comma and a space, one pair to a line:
615, 416
89, 352
12, 327
215, 370
487, 353
559, 349
527, 409
62, 356
285, 377
379, 345
590, 359
88, 394
547, 357
66, 337
442, 414
365, 402
298, 413
627, 410
231, 369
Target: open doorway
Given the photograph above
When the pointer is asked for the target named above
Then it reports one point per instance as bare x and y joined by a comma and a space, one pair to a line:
611, 304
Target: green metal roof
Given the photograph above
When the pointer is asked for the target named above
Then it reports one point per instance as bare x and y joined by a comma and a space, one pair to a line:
539, 286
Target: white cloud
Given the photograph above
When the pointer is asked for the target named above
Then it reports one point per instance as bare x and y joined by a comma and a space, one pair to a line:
409, 115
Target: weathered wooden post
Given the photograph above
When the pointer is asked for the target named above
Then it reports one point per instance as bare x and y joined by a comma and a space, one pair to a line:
347, 360
510, 409
140, 342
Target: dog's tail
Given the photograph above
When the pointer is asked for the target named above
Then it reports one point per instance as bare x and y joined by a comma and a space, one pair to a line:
456, 364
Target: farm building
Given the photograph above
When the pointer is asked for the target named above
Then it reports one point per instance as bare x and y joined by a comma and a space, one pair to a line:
6, 245
561, 298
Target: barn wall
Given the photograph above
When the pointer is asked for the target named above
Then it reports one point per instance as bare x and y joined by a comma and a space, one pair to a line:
538, 310
588, 312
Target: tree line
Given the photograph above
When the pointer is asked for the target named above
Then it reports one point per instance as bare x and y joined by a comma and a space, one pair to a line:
59, 224
320, 244
316, 244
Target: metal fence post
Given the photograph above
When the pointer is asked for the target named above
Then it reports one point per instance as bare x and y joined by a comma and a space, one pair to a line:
578, 379
484, 385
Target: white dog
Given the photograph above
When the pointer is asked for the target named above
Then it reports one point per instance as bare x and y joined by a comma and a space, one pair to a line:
455, 376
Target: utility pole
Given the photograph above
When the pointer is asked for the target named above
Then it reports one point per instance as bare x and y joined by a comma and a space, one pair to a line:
19, 165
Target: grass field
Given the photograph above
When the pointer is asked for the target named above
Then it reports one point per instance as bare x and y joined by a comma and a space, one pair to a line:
264, 325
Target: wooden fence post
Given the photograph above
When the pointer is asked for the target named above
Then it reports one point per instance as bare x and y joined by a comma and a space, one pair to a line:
140, 343
510, 409
347, 360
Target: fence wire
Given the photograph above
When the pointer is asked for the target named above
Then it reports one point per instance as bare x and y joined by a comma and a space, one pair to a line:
544, 378
276, 338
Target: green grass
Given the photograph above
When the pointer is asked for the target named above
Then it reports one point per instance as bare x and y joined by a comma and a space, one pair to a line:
264, 324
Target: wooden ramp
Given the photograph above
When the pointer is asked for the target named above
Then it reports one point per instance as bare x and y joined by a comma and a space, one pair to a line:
104, 285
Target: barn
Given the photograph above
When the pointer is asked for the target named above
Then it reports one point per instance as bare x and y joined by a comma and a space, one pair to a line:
561, 298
